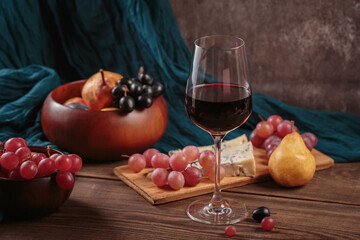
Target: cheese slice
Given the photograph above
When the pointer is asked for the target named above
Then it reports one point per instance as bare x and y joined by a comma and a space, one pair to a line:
236, 157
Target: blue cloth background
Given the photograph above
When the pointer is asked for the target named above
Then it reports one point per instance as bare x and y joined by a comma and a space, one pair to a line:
46, 43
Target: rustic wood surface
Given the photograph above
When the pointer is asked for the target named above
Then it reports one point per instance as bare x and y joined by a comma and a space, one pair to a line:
328, 207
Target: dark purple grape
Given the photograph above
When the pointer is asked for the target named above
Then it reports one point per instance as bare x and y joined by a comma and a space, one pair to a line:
146, 78
119, 90
77, 106
144, 101
158, 88
122, 81
147, 89
259, 213
126, 104
135, 88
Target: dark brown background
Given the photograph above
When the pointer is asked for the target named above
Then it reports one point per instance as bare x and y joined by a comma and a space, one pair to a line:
304, 53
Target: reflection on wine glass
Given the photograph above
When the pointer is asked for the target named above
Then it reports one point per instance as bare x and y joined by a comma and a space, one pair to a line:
218, 100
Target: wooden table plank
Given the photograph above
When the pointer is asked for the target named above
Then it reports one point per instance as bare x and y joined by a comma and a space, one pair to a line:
339, 184
107, 209
101, 170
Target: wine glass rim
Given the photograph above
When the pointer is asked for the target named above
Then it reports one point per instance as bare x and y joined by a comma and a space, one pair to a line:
242, 42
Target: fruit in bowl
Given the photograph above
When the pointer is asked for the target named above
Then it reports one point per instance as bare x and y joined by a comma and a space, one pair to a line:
30, 183
96, 92
107, 134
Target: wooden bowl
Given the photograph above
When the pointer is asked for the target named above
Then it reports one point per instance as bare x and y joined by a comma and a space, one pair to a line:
23, 199
98, 135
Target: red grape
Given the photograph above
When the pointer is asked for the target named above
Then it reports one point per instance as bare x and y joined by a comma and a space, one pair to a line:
308, 142
148, 154
275, 120
272, 145
211, 173
191, 152
176, 180
28, 170
178, 161
15, 173
271, 139
54, 156
63, 163
256, 140
37, 157
207, 159
312, 137
267, 223
46, 167
9, 161
284, 128
24, 153
137, 162
192, 176
230, 230
159, 177
264, 129
65, 180
76, 163
13, 144
160, 160
23, 142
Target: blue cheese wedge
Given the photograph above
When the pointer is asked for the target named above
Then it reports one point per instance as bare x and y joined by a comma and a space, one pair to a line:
236, 157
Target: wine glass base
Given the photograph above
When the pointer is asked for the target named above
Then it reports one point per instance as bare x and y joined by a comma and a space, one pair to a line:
201, 211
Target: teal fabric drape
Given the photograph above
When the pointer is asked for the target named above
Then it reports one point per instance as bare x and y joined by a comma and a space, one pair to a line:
46, 43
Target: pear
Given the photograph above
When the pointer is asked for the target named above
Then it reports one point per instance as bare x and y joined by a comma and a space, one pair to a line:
292, 164
96, 91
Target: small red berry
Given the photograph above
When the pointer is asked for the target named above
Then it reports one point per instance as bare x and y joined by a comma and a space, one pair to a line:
268, 223
230, 230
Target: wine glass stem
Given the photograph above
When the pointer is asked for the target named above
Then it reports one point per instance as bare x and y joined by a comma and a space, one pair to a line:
217, 200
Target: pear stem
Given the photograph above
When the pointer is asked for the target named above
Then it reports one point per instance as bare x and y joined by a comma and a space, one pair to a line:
102, 76
292, 125
262, 119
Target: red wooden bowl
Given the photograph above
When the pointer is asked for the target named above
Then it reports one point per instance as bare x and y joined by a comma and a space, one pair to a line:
23, 199
98, 135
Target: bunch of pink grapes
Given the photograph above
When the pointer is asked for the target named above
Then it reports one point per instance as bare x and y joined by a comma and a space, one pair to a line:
18, 162
176, 170
268, 134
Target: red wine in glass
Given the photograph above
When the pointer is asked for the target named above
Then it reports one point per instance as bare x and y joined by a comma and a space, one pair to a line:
218, 107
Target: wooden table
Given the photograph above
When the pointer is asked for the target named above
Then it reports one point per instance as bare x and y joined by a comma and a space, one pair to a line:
103, 207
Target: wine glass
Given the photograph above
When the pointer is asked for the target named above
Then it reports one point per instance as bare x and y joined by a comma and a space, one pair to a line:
218, 100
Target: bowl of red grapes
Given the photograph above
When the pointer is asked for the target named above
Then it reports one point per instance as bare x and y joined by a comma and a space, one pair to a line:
34, 181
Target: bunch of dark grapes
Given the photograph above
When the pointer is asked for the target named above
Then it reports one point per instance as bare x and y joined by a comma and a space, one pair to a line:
131, 93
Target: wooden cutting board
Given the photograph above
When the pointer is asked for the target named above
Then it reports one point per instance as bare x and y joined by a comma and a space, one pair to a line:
142, 183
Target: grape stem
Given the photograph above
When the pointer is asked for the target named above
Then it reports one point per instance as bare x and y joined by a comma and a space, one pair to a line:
262, 119
141, 71
125, 93
48, 150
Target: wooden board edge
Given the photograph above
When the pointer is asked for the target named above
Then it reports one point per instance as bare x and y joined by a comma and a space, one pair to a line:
134, 186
